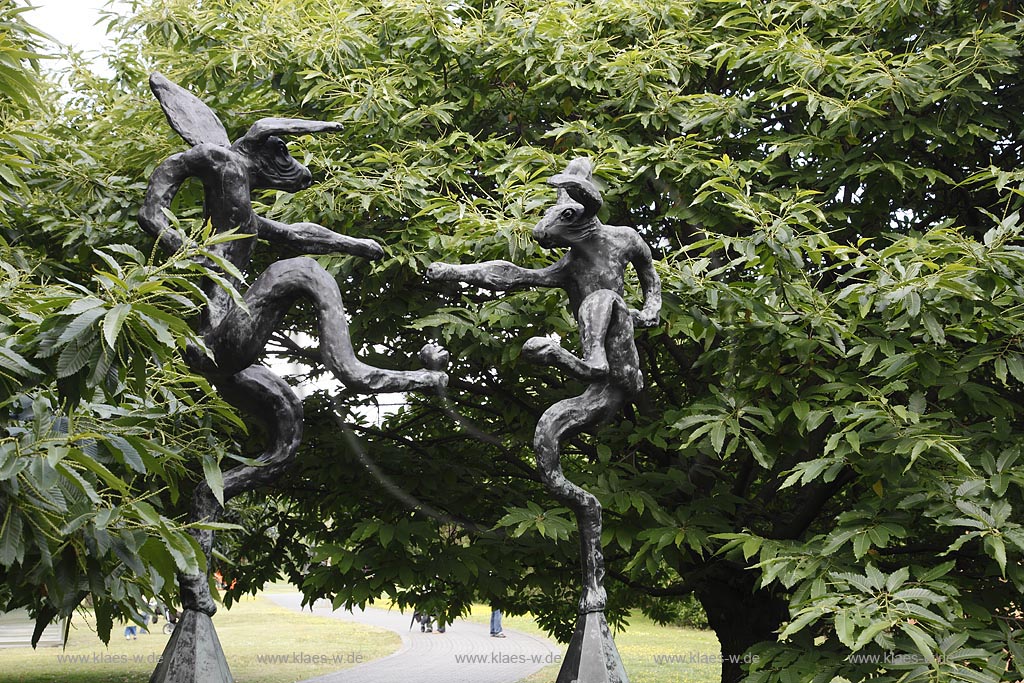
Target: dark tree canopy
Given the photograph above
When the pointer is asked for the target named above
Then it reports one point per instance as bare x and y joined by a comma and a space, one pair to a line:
827, 452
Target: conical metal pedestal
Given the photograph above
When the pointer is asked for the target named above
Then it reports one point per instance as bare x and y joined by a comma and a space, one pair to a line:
592, 656
193, 654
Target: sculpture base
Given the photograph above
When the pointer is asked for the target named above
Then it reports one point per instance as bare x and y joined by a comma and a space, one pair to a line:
193, 654
592, 656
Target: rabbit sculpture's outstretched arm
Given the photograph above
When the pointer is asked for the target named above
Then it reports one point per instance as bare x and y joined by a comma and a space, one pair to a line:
499, 275
311, 238
236, 336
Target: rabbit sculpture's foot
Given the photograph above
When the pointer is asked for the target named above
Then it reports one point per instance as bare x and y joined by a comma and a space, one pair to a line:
434, 356
195, 593
594, 599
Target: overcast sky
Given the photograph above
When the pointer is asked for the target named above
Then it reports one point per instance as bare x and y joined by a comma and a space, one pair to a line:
72, 22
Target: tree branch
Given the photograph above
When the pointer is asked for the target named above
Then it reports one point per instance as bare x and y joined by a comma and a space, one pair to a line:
675, 590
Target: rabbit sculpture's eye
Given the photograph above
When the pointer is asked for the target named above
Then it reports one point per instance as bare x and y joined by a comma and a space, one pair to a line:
277, 156
277, 169
564, 225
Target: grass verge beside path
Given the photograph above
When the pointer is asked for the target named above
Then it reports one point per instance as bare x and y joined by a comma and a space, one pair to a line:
253, 630
650, 653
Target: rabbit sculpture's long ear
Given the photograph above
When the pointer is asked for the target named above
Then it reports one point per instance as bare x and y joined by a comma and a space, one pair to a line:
577, 183
264, 128
187, 114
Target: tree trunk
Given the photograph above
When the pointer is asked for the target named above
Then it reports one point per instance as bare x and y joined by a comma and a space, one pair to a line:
740, 614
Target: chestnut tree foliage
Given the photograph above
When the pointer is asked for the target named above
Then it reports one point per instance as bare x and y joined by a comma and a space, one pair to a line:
828, 451
103, 430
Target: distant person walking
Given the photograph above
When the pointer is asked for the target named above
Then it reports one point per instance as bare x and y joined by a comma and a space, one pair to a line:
496, 623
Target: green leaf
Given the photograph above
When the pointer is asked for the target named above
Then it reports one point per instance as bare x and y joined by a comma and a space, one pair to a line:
91, 464
897, 579
861, 544
1015, 364
844, 627
74, 357
937, 572
996, 549
873, 629
128, 454
802, 621
718, 436
113, 321
12, 547
925, 643
214, 477
80, 325
385, 535
801, 410
147, 513
750, 546
14, 362
854, 439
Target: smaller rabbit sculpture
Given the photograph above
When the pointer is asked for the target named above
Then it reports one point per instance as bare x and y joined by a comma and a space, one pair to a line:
592, 273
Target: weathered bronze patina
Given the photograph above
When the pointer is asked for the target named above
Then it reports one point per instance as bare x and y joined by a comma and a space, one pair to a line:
592, 274
235, 336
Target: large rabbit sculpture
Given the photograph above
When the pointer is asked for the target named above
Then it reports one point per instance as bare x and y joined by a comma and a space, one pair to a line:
236, 336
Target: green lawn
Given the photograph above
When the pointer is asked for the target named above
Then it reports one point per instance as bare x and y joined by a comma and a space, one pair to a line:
256, 627
642, 646
253, 627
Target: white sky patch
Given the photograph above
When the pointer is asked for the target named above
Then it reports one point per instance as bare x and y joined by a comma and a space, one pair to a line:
386, 403
77, 24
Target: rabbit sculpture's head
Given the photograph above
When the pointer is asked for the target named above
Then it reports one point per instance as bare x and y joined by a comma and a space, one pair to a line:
270, 165
573, 218
264, 155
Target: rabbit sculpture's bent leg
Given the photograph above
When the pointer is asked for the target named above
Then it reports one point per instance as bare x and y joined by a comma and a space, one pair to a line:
562, 421
238, 340
609, 353
270, 401
606, 333
240, 336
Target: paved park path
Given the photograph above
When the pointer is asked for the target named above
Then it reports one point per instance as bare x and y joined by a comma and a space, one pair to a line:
465, 654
